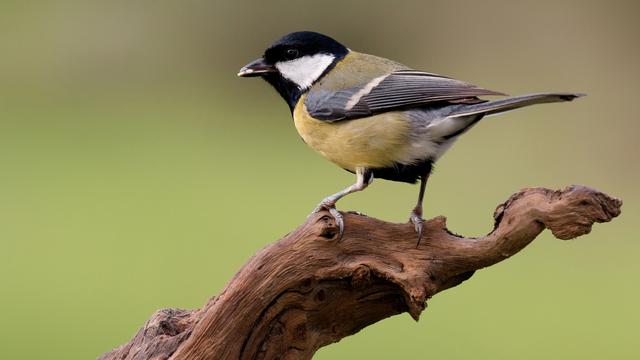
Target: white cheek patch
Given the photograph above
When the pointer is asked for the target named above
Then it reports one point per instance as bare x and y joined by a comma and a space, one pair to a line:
304, 71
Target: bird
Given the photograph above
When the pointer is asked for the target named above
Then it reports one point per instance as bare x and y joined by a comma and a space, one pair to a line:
375, 117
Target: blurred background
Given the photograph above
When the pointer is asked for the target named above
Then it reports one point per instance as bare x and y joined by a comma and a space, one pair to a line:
137, 172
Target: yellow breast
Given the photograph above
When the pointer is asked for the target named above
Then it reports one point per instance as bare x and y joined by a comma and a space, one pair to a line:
375, 142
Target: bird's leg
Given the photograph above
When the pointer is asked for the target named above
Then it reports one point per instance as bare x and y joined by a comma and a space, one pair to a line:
363, 178
416, 214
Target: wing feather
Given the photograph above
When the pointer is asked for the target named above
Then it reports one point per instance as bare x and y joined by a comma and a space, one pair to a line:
398, 90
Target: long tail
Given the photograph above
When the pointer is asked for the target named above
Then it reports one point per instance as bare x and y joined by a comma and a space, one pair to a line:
502, 105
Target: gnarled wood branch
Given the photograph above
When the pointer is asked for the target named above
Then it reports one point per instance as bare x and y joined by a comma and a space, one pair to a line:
310, 289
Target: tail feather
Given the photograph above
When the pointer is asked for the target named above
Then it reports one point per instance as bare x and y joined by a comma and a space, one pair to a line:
502, 105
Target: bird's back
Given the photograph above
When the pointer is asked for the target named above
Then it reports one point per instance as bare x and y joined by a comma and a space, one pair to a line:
356, 69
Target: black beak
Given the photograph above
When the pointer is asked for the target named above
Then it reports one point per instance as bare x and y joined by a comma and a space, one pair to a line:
257, 67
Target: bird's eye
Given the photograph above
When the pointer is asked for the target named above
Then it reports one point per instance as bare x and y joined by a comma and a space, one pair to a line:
291, 54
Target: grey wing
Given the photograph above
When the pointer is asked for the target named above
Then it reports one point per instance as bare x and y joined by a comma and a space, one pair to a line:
398, 90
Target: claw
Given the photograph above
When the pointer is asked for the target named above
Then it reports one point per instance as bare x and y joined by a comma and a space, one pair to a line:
337, 216
418, 224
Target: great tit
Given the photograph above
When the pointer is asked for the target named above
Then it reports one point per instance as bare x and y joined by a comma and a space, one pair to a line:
372, 116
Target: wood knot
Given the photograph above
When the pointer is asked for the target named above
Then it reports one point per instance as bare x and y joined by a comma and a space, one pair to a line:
306, 285
361, 277
170, 322
320, 296
330, 229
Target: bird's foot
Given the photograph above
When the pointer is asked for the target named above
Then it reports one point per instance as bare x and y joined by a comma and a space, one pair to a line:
418, 223
330, 206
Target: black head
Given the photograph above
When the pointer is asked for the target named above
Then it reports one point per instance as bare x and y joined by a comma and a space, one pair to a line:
303, 43
295, 62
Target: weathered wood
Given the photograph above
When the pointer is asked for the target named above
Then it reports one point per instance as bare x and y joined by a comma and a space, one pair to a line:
310, 289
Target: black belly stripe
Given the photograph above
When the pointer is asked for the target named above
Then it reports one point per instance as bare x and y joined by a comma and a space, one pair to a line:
404, 173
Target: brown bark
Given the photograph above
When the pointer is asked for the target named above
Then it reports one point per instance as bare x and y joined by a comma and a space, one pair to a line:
310, 289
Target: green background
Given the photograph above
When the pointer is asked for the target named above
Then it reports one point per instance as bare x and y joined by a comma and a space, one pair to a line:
138, 172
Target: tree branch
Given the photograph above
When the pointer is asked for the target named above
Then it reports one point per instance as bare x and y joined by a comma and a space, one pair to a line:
310, 289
